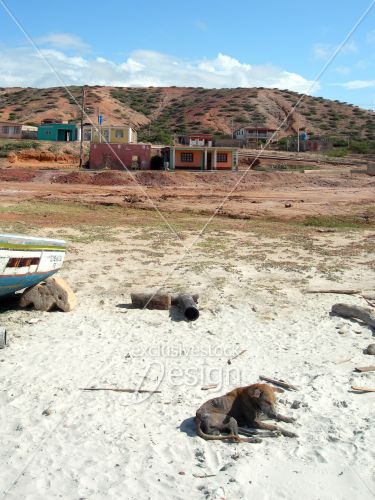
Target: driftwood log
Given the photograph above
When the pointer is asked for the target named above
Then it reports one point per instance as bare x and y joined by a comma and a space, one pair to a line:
365, 369
362, 389
160, 301
364, 314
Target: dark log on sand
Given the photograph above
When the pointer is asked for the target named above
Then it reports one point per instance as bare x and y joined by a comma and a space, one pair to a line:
160, 301
362, 313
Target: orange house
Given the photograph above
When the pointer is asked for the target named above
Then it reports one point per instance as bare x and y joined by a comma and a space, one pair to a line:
200, 158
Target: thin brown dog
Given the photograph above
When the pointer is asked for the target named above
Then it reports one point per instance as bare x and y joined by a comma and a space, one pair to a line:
242, 406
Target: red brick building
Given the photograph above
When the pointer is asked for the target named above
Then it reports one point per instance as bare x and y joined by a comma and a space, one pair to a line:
119, 156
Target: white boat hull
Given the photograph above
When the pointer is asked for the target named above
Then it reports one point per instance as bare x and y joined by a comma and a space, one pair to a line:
26, 261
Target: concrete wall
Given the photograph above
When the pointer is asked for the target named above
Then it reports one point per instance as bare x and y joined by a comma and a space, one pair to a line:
196, 163
10, 130
57, 132
114, 135
116, 156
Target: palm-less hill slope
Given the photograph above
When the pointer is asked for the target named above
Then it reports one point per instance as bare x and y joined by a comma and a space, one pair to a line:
155, 111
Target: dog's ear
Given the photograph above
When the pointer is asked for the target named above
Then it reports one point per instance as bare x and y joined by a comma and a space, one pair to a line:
256, 393
277, 389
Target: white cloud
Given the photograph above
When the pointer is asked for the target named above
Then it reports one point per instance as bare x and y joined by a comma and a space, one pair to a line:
62, 41
371, 36
357, 84
342, 70
326, 50
201, 25
24, 67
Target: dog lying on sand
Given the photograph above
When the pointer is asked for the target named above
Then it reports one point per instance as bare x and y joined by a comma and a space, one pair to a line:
243, 406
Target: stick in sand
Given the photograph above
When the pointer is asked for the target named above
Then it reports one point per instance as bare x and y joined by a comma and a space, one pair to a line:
209, 386
280, 383
235, 357
362, 389
342, 361
118, 390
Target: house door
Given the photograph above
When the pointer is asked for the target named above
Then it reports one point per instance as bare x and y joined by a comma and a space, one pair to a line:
68, 135
209, 161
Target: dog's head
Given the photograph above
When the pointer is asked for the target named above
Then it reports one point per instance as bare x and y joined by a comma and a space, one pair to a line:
264, 397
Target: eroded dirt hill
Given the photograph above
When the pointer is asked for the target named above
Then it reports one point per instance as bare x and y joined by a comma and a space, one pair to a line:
184, 109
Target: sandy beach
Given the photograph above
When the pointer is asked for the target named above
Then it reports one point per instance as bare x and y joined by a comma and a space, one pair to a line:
58, 441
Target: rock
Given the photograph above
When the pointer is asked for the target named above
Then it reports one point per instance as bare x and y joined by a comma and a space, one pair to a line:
287, 205
3, 337
371, 349
52, 293
296, 404
46, 412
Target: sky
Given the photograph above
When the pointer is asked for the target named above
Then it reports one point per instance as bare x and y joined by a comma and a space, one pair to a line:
198, 43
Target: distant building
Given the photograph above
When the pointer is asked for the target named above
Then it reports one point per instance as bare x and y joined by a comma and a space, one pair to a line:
113, 134
12, 130
200, 158
196, 140
57, 132
119, 156
255, 134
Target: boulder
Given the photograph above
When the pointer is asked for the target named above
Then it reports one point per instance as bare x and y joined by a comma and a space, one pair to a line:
53, 293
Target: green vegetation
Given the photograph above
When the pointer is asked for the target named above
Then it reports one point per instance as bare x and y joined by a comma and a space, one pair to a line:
343, 222
7, 147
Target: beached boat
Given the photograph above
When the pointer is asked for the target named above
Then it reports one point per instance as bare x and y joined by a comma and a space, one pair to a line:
26, 261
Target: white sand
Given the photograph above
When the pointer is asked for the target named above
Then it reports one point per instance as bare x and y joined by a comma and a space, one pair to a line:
107, 445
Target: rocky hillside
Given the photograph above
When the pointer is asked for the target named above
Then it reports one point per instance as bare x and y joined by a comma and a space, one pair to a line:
158, 111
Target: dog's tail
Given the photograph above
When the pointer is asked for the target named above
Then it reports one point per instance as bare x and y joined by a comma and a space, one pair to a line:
231, 437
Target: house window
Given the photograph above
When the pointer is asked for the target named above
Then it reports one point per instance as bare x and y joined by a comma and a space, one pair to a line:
187, 157
222, 157
119, 134
6, 130
48, 132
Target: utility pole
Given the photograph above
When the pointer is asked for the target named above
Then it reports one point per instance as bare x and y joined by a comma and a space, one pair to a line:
298, 139
82, 114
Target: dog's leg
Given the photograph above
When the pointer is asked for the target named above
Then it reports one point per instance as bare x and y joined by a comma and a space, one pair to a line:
272, 427
255, 432
282, 418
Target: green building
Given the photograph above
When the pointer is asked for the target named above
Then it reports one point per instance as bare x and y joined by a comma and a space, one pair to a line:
57, 132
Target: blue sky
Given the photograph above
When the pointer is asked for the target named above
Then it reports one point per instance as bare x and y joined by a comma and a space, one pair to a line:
208, 43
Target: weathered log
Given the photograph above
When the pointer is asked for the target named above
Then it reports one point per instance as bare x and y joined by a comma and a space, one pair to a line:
161, 301
280, 383
3, 337
365, 369
364, 314
341, 291
52, 293
188, 306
